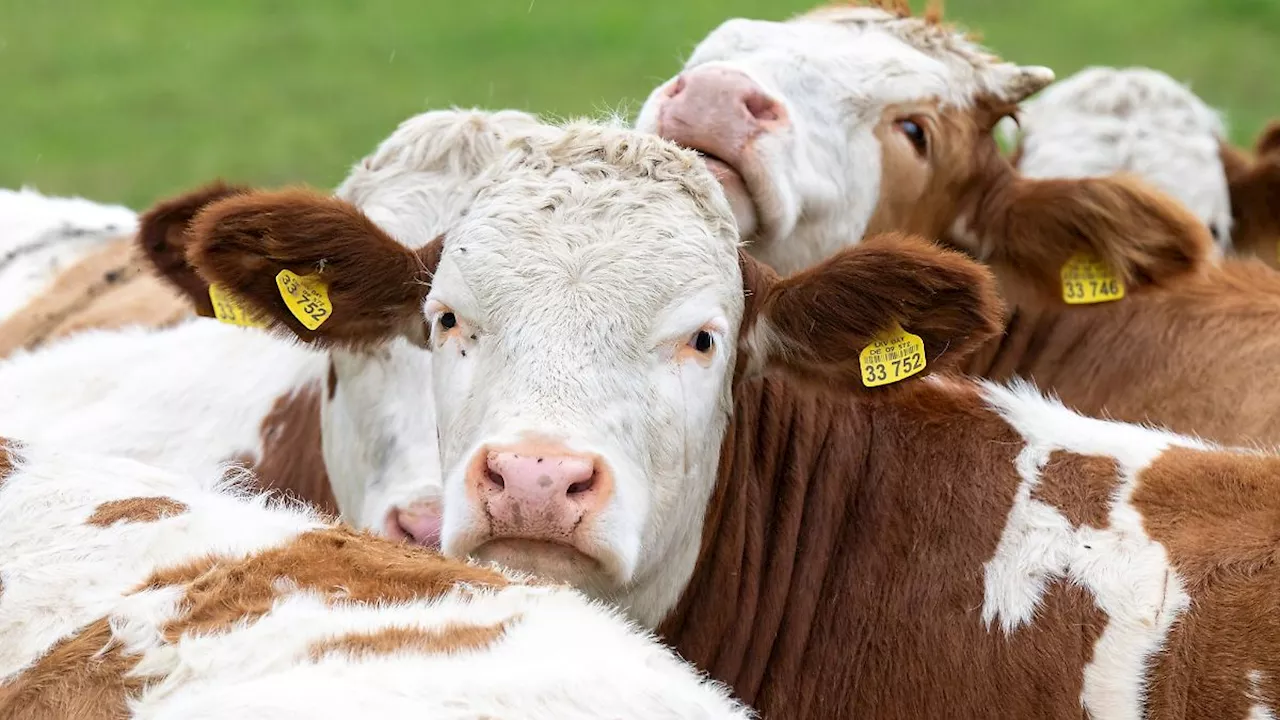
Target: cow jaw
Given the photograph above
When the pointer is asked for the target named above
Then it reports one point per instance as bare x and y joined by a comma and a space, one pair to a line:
818, 116
582, 320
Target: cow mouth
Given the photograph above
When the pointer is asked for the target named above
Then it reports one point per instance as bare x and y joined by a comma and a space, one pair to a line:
549, 559
733, 181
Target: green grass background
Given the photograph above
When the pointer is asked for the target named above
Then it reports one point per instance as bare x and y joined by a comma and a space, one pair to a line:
127, 101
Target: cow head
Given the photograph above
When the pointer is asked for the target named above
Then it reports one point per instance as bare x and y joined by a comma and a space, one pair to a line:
1103, 121
377, 419
854, 120
1255, 196
587, 319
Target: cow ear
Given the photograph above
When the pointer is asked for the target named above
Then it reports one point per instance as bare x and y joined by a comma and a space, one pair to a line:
313, 265
818, 323
162, 237
1269, 141
1141, 234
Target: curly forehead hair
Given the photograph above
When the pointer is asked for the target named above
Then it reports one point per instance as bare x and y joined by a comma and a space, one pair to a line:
605, 153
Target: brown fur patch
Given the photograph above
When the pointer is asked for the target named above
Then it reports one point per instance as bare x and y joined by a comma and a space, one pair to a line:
1255, 197
850, 539
135, 510
292, 460
162, 239
1218, 516
8, 451
339, 564
376, 285
818, 320
107, 289
1187, 357
451, 638
81, 677
1079, 486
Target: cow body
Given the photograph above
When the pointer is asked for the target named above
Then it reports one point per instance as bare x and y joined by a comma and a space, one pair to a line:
973, 551
41, 236
131, 592
624, 407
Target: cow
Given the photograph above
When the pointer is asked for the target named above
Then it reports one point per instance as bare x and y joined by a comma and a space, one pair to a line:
1102, 121
313, 425
786, 476
854, 120
1137, 120
42, 236
128, 591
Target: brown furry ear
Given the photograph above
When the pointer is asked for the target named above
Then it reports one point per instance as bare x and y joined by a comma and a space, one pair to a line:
816, 323
162, 237
1268, 140
1142, 234
374, 286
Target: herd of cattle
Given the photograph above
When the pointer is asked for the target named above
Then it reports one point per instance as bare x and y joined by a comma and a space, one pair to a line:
798, 399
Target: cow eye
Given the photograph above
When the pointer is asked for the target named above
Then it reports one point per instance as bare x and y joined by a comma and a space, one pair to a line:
702, 341
915, 133
448, 320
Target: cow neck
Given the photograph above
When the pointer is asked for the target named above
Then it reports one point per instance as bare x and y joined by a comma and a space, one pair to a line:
842, 570
291, 459
789, 470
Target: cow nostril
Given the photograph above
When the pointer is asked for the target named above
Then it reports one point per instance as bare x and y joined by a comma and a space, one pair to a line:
762, 107
583, 486
495, 479
676, 87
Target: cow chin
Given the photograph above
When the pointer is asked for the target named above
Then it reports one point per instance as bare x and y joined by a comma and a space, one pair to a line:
553, 561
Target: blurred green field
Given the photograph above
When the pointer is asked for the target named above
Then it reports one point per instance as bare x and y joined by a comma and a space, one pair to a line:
128, 100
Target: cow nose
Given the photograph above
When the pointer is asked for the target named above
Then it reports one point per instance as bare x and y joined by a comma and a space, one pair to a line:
540, 478
540, 492
418, 522
719, 102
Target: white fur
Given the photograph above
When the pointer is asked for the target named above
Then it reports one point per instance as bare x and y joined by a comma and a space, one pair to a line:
627, 244
837, 71
1103, 120
42, 235
1259, 710
561, 657
1127, 573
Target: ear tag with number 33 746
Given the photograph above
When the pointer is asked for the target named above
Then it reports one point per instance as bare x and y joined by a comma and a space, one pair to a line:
1087, 280
893, 355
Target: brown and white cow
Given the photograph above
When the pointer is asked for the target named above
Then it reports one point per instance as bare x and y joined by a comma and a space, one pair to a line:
627, 401
1103, 121
130, 592
852, 120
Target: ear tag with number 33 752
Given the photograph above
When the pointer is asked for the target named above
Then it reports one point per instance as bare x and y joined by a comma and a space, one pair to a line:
893, 355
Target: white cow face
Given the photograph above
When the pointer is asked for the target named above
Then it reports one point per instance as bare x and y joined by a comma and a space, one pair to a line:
820, 125
584, 320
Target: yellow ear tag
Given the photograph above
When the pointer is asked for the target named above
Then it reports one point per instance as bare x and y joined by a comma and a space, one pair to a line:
307, 298
893, 355
228, 309
1087, 280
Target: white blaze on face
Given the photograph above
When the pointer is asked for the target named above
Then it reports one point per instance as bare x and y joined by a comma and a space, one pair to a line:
801, 116
583, 318
1103, 121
